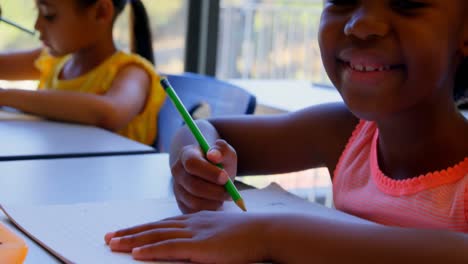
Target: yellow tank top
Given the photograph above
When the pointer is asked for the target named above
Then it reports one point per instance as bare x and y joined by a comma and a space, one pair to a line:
142, 128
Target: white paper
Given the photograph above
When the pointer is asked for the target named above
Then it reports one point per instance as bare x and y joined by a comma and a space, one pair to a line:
75, 232
6, 115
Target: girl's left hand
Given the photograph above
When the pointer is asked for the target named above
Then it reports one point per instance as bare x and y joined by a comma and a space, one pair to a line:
204, 237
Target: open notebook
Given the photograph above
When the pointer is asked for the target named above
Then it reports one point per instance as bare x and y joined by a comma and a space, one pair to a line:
75, 233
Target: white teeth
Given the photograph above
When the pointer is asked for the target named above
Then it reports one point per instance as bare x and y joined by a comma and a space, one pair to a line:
359, 67
363, 68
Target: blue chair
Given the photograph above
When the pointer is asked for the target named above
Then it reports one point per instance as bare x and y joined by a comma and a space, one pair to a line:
196, 91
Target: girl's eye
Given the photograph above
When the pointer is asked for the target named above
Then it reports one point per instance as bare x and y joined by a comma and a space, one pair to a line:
46, 12
342, 2
49, 17
340, 6
407, 5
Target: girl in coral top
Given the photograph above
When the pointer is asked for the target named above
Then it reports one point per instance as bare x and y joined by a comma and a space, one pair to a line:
397, 150
82, 76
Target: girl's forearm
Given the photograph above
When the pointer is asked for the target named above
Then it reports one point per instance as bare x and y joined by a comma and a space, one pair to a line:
68, 106
299, 239
19, 65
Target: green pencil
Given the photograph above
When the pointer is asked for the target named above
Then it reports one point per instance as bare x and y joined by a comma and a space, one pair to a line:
230, 187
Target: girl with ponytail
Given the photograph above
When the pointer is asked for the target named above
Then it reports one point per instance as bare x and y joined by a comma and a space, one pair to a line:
83, 77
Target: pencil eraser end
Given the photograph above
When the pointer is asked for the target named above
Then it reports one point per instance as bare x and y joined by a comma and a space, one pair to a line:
165, 83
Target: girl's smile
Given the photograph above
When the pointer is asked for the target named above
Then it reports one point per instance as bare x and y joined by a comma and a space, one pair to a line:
367, 68
390, 57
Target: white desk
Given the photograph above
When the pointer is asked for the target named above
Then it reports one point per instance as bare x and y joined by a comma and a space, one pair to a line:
288, 95
93, 179
37, 138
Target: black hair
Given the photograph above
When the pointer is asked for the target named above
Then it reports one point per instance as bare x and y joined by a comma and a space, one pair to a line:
141, 38
461, 84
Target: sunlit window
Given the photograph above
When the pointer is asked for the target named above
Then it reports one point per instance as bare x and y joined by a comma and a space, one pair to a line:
270, 39
23, 13
168, 22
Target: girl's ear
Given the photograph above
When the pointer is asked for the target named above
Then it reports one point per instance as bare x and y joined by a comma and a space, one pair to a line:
104, 11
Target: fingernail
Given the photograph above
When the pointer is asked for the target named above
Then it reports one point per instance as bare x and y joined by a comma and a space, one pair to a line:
136, 251
109, 236
216, 154
223, 177
114, 241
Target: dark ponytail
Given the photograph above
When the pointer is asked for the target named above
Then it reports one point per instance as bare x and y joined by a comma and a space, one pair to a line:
461, 84
141, 38
140, 35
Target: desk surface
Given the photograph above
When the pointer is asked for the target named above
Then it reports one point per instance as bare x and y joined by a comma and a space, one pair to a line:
288, 95
36, 138
291, 95
90, 179
93, 179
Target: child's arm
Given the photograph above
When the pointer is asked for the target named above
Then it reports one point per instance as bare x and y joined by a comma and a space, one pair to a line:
112, 111
19, 65
213, 237
296, 238
312, 137
263, 144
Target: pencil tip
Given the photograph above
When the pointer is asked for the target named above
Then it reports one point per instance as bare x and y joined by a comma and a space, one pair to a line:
241, 205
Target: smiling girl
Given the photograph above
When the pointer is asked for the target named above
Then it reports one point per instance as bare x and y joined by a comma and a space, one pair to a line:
397, 151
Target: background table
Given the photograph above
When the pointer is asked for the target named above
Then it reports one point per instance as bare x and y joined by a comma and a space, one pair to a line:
290, 95
77, 180
34, 139
287, 95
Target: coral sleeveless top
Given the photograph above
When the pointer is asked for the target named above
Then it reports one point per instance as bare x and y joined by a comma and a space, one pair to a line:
437, 200
98, 81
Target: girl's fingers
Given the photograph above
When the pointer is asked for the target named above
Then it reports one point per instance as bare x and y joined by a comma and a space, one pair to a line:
183, 208
192, 161
181, 249
202, 189
128, 242
191, 203
172, 223
220, 152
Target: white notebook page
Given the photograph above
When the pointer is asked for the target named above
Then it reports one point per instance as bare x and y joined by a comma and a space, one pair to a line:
75, 232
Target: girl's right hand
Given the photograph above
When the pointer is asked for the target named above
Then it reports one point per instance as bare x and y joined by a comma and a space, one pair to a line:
198, 182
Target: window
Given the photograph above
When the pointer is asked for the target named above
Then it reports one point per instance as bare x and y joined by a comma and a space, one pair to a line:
168, 22
12, 38
264, 39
